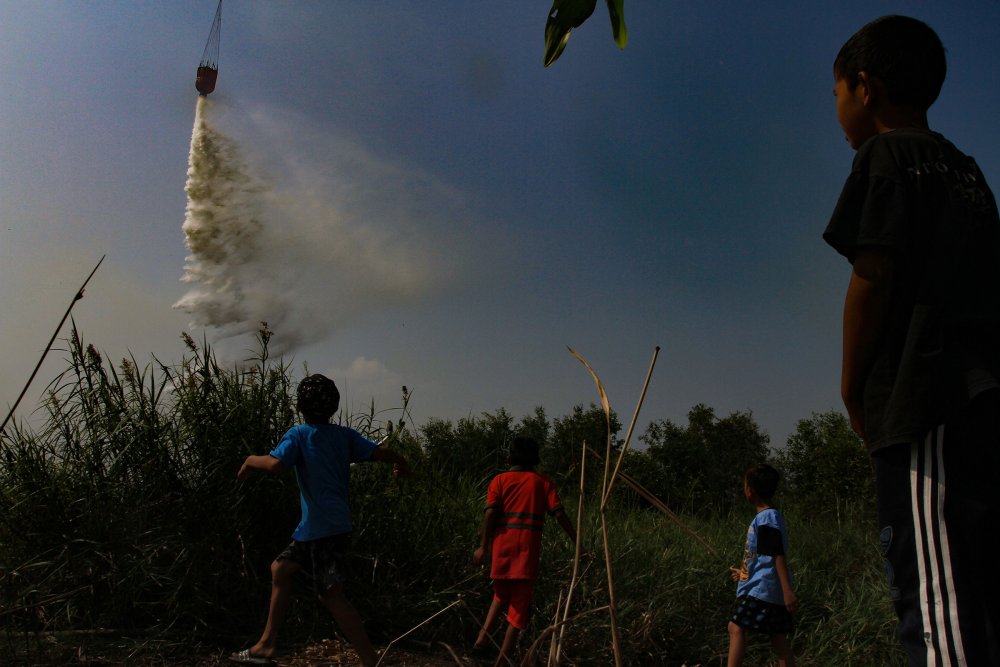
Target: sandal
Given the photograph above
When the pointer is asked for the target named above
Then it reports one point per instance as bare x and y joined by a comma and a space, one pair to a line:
245, 657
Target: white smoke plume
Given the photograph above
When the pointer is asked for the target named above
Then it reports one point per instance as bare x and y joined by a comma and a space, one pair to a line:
307, 253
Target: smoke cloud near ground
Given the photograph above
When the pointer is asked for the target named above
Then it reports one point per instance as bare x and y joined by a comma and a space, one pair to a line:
326, 231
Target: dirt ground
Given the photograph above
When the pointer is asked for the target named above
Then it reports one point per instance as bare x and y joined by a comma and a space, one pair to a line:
326, 653
330, 652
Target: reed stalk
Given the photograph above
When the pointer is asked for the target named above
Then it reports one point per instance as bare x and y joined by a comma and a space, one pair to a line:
552, 658
662, 507
612, 607
628, 437
577, 550
45, 352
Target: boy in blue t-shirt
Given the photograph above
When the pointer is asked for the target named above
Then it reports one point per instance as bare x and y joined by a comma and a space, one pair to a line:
321, 454
764, 594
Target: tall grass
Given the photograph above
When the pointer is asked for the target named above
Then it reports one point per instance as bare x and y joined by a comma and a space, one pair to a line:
122, 512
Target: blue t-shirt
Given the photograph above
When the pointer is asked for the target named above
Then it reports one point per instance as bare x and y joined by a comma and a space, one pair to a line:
766, 539
321, 455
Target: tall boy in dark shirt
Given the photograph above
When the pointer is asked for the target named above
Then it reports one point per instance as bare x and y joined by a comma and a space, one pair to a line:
920, 377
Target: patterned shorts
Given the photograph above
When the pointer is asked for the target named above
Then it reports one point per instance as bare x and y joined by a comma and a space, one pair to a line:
760, 616
324, 559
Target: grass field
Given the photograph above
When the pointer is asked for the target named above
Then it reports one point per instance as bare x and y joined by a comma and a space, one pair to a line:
124, 527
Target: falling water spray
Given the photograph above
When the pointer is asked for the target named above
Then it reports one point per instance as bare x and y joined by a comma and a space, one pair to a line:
222, 230
336, 233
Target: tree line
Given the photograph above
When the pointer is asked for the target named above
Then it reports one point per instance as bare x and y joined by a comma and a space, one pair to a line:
695, 468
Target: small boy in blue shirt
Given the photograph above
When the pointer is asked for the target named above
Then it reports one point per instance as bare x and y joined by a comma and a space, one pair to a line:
321, 454
765, 598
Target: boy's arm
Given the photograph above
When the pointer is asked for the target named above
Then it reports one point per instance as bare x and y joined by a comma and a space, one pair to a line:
567, 525
570, 530
400, 467
864, 318
489, 524
265, 463
791, 601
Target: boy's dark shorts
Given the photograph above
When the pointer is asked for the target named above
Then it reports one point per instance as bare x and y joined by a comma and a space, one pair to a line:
325, 559
759, 616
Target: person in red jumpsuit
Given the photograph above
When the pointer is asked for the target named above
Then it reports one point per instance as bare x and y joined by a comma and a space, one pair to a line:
516, 504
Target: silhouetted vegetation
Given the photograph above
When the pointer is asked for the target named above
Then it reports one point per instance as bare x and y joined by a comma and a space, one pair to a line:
122, 513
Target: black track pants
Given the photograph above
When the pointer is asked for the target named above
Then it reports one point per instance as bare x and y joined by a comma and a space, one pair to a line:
939, 513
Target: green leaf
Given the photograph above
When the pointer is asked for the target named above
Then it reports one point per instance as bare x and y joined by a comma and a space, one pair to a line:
616, 10
563, 17
555, 42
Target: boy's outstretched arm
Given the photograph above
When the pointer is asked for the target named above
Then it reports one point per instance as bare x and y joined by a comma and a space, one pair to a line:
791, 600
400, 467
865, 310
489, 524
265, 463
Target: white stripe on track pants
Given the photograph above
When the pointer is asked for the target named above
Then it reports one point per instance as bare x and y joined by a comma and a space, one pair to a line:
939, 513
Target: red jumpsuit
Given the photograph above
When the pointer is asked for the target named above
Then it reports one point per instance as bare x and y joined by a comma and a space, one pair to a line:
521, 498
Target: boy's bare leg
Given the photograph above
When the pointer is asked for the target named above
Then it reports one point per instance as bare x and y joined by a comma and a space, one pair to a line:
281, 598
349, 622
507, 648
783, 648
737, 645
491, 616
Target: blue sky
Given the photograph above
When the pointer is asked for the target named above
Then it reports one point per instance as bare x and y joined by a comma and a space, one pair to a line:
463, 214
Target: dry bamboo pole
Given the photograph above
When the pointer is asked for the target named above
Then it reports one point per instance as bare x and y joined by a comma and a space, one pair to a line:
579, 548
385, 651
612, 605
529, 657
660, 505
628, 437
553, 645
616, 643
76, 297
605, 404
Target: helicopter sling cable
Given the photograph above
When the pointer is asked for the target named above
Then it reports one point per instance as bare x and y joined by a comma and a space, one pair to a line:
208, 69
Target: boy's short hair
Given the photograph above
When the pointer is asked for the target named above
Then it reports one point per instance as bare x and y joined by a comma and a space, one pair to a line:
524, 451
318, 397
905, 54
762, 480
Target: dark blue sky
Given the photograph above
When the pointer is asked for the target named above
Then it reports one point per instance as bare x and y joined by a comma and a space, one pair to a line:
670, 194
